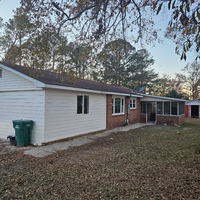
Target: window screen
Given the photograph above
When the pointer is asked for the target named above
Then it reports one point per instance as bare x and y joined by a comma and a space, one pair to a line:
143, 107
174, 108
159, 107
181, 108
167, 108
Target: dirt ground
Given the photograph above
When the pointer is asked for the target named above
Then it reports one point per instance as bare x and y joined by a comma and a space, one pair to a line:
42, 151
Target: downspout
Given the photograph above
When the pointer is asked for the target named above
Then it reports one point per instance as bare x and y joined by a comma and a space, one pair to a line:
128, 110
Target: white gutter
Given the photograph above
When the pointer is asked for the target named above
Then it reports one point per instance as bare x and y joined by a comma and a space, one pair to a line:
86, 90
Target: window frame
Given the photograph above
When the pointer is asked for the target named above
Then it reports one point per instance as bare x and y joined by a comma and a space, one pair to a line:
85, 109
122, 105
1, 72
131, 103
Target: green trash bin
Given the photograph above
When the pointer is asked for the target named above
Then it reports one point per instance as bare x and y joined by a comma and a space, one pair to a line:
23, 132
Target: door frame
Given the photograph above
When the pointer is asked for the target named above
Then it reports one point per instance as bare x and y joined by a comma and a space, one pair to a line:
154, 103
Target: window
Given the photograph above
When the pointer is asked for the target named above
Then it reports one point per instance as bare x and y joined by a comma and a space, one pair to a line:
0, 73
133, 103
82, 104
79, 104
112, 106
117, 105
143, 107
159, 107
86, 104
122, 106
167, 108
181, 108
174, 108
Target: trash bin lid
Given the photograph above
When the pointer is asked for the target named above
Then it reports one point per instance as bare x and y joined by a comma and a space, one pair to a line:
23, 121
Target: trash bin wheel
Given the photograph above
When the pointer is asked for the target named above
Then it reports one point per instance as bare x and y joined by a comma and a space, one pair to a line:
15, 143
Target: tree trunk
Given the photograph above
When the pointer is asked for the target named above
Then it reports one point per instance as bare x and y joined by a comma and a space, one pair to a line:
20, 49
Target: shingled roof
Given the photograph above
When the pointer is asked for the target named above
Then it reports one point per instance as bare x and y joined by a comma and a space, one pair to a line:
52, 78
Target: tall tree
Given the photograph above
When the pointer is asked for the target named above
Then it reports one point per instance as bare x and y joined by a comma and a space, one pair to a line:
79, 59
190, 77
113, 61
15, 34
119, 63
174, 94
162, 86
140, 73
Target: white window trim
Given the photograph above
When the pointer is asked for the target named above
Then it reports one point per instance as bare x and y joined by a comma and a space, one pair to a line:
82, 104
131, 99
113, 105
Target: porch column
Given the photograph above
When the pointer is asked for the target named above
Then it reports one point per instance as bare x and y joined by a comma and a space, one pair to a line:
189, 111
199, 111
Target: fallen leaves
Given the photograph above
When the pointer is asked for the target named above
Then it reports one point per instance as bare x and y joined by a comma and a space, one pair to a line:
148, 163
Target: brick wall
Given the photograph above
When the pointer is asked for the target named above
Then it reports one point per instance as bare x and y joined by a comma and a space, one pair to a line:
135, 113
181, 119
167, 119
113, 121
142, 118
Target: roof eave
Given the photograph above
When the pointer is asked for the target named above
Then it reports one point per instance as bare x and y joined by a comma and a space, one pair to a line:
49, 86
160, 97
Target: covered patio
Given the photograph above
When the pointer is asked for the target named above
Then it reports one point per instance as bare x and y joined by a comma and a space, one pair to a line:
162, 110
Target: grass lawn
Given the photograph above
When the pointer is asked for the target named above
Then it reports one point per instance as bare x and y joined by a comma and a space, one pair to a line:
156, 162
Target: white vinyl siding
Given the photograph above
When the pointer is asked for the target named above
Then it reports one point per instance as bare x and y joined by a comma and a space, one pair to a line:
62, 120
27, 105
10, 81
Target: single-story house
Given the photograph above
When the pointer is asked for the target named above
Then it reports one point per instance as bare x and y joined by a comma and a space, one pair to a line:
192, 108
62, 108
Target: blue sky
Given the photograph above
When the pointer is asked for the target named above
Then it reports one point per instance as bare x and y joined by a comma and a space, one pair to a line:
166, 61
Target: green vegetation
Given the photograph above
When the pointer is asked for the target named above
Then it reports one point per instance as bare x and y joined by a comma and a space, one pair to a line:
156, 162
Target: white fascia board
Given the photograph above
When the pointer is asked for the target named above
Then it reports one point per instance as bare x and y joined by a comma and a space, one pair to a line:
160, 97
16, 90
134, 95
86, 90
193, 102
36, 82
